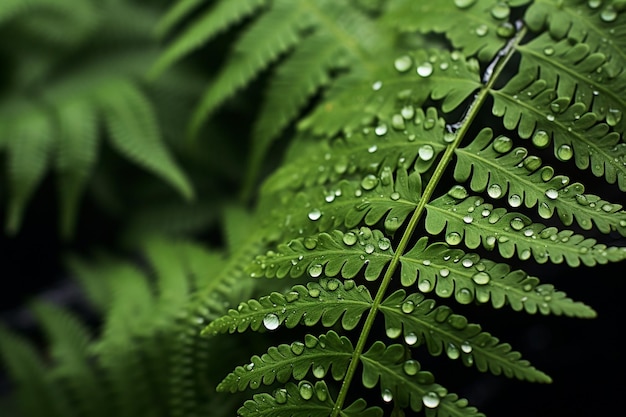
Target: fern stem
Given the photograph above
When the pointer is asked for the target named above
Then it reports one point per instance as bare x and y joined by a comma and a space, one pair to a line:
473, 110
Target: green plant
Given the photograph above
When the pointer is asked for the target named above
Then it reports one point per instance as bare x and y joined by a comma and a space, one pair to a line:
432, 150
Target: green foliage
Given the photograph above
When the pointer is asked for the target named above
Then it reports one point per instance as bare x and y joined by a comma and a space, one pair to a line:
430, 157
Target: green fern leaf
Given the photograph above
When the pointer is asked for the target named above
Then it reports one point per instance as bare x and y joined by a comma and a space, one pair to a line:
414, 144
450, 272
217, 19
464, 23
525, 180
402, 381
300, 305
29, 147
175, 15
328, 353
513, 233
443, 332
134, 133
303, 400
574, 132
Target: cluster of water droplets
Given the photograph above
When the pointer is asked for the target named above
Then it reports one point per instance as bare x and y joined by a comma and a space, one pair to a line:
307, 390
608, 13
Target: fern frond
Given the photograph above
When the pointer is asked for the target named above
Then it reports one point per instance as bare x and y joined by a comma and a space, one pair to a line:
413, 78
215, 20
402, 381
513, 233
529, 106
134, 132
450, 272
303, 400
444, 332
300, 305
415, 140
317, 355
523, 179
465, 23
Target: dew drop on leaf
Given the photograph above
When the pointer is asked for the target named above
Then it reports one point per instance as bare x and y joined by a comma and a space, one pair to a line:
515, 200
424, 286
315, 270
505, 30
377, 85
481, 278
280, 395
500, 11
297, 348
397, 122
494, 191
315, 214
306, 390
594, 4
608, 14
387, 395
552, 194
292, 296
466, 347
369, 182
381, 129
426, 152
613, 117
564, 152
425, 69
407, 112
452, 351
541, 139
319, 371
458, 192
502, 144
320, 391
482, 30
467, 263
408, 307
410, 338
548, 51
392, 224
431, 400
271, 321
517, 224
310, 242
464, 4
393, 332
453, 238
403, 63
444, 272
349, 239
384, 244
411, 367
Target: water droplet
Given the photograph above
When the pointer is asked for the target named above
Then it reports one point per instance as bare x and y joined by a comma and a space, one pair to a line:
297, 348
384, 244
280, 395
505, 30
426, 152
315, 214
369, 248
515, 200
315, 270
306, 390
468, 219
393, 332
466, 347
458, 191
552, 194
613, 117
381, 129
524, 255
517, 223
452, 351
444, 272
410, 338
550, 117
425, 69
387, 395
271, 321
548, 51
411, 367
594, 4
431, 400
377, 85
369, 182
397, 122
408, 307
292, 296
392, 224
349, 239
407, 112
481, 278
608, 14
564, 152
464, 4
395, 196
494, 191
310, 341
403, 63
532, 163
249, 366
332, 284
424, 286
467, 263
541, 139
502, 144
482, 30
319, 371
453, 238
500, 11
